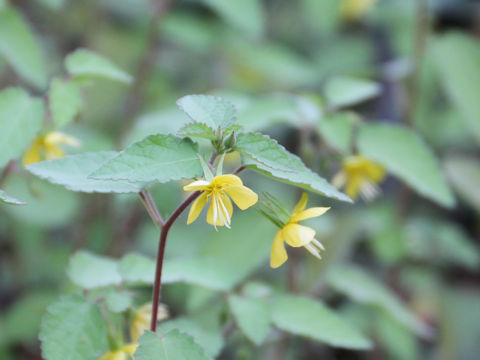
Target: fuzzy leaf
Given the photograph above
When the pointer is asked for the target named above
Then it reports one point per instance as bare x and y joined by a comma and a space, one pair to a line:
266, 156
20, 48
7, 199
404, 154
73, 329
307, 317
252, 316
212, 111
173, 345
159, 158
344, 91
65, 101
198, 130
21, 119
86, 63
72, 172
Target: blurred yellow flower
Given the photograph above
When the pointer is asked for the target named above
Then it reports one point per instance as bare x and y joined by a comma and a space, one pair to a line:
355, 9
219, 191
124, 353
359, 175
297, 235
141, 320
46, 147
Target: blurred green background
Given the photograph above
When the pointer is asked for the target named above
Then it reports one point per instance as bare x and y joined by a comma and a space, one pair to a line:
404, 269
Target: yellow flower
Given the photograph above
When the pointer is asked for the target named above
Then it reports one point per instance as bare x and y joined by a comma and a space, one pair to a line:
355, 9
219, 191
359, 175
124, 353
141, 320
297, 235
45, 147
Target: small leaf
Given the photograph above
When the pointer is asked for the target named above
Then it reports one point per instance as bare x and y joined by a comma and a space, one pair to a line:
86, 63
310, 318
21, 119
65, 101
212, 111
252, 316
246, 15
173, 345
72, 172
361, 287
7, 199
136, 268
198, 130
345, 91
337, 130
159, 158
90, 271
266, 156
20, 48
403, 153
118, 301
464, 175
73, 329
210, 341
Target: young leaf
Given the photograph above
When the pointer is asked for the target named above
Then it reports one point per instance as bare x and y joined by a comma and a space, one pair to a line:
310, 318
361, 287
246, 15
72, 172
7, 199
266, 156
344, 91
173, 345
456, 58
73, 329
90, 271
403, 153
198, 130
65, 101
159, 158
19, 47
252, 316
21, 119
86, 63
212, 111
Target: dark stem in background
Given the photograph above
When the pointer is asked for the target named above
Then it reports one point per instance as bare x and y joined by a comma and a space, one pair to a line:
160, 255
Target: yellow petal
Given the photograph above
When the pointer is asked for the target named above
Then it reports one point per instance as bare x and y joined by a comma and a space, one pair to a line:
216, 212
228, 179
53, 152
297, 235
278, 254
33, 153
129, 348
309, 213
353, 186
196, 208
197, 185
374, 171
57, 137
301, 204
242, 196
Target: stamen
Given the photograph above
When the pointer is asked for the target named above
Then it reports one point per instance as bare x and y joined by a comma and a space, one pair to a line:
313, 251
318, 244
215, 211
226, 214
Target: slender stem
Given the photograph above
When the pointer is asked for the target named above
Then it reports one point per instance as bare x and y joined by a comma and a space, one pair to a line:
161, 253
151, 207
239, 170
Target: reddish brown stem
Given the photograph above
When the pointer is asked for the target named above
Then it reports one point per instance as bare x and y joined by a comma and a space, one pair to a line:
161, 254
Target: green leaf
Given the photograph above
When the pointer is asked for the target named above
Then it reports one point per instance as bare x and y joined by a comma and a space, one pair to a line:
73, 329
307, 317
456, 57
159, 158
174, 345
210, 341
72, 172
7, 199
404, 154
464, 175
343, 91
361, 287
212, 111
266, 156
65, 100
90, 271
198, 130
86, 63
246, 15
118, 301
252, 316
136, 268
19, 47
21, 119
337, 130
